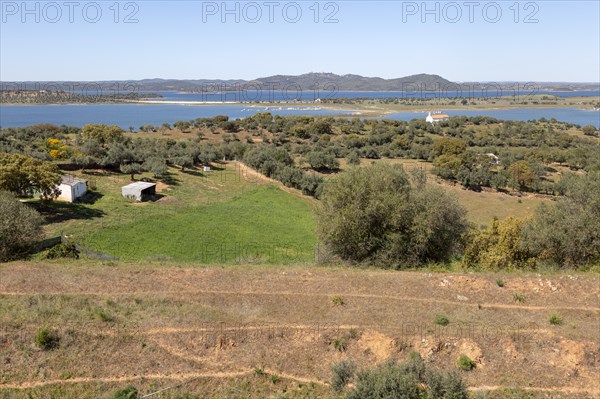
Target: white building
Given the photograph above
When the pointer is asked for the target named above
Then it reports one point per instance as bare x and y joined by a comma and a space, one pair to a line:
139, 191
436, 118
71, 188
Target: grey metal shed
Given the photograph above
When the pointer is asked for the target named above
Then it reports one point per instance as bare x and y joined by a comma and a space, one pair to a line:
139, 191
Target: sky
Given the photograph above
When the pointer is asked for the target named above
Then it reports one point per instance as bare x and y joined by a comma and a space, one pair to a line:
474, 41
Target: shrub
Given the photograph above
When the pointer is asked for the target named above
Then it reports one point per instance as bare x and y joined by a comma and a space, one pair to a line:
410, 380
442, 320
105, 315
341, 344
337, 300
500, 283
63, 250
342, 374
20, 227
129, 392
47, 339
519, 298
555, 319
590, 130
353, 158
465, 363
312, 184
445, 385
499, 248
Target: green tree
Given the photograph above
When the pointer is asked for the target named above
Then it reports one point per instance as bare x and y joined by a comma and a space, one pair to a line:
132, 169
568, 232
448, 166
156, 166
90, 153
353, 158
374, 215
184, 161
589, 130
320, 127
20, 227
521, 175
102, 133
321, 160
25, 175
449, 146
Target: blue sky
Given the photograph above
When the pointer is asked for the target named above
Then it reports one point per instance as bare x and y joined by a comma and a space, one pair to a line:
544, 41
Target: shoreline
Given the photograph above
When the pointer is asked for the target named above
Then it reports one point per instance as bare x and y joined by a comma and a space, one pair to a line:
358, 110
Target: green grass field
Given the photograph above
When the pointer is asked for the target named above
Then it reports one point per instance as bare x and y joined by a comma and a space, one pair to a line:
263, 225
223, 217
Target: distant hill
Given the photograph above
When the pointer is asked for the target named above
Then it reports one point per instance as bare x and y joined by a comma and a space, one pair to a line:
356, 82
309, 81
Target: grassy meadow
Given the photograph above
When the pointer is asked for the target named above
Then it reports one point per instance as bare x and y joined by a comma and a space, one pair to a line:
223, 216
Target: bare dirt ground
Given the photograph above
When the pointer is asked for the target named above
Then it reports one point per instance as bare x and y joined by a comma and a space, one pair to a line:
158, 326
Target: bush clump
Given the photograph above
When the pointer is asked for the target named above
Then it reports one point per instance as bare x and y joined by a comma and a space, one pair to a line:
47, 339
20, 227
410, 380
63, 250
129, 392
343, 372
465, 363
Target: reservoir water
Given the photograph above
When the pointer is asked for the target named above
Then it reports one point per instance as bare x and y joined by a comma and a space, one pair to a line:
126, 115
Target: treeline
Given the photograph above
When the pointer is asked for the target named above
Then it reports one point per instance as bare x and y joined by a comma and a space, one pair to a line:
475, 152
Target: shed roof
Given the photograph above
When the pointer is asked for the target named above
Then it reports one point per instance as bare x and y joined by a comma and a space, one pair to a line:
139, 185
71, 180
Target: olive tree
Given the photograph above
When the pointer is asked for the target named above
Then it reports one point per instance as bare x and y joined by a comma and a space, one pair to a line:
568, 233
375, 215
25, 175
20, 227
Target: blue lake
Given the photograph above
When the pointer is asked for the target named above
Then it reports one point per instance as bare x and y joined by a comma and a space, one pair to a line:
577, 116
135, 115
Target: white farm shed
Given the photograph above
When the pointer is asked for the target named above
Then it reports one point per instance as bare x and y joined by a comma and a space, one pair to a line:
139, 191
71, 188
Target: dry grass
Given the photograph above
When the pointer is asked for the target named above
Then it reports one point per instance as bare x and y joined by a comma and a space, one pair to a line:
211, 327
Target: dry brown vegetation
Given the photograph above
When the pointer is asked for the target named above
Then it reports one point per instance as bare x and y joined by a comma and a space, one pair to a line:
224, 332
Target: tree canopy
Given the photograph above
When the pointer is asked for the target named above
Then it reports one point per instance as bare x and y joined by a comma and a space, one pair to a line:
25, 175
568, 233
375, 215
102, 133
20, 227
